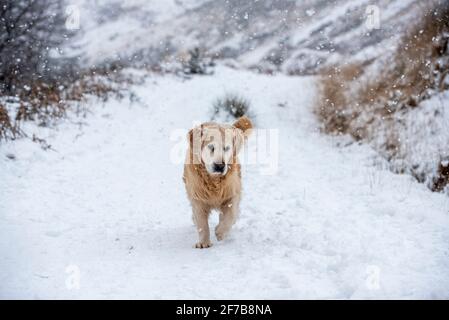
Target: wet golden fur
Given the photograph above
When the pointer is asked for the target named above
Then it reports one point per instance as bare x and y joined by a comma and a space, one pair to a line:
206, 191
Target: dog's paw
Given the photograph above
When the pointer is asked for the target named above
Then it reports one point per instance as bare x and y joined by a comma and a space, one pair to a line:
203, 245
219, 234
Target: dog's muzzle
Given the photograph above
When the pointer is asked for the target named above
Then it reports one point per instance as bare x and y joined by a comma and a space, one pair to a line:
219, 167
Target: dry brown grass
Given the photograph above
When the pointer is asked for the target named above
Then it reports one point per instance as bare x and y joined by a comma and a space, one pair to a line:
6, 128
355, 103
40, 103
44, 103
415, 68
333, 109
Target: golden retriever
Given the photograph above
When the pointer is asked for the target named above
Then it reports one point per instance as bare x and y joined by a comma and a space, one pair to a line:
212, 175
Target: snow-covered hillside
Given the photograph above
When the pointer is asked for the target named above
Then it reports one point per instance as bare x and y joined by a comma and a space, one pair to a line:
104, 214
290, 36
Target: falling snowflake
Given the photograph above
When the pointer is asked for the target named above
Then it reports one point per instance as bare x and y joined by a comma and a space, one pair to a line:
310, 12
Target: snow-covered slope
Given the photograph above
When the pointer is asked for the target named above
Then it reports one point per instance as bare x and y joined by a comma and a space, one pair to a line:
108, 207
296, 37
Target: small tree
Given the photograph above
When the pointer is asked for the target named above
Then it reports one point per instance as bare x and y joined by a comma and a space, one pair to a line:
29, 30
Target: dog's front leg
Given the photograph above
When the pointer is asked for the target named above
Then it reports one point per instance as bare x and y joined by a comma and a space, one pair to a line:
201, 219
228, 216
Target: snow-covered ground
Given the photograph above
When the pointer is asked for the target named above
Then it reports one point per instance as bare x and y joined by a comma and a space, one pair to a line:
104, 214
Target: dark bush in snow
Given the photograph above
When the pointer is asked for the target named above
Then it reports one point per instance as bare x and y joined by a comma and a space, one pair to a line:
31, 32
197, 63
231, 105
441, 180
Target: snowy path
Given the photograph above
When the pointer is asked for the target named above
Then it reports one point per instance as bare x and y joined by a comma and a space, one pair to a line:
111, 205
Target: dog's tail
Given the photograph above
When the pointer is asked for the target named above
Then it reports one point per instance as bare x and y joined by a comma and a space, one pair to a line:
244, 124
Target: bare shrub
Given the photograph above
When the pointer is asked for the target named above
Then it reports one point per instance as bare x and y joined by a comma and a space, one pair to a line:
43, 86
197, 63
231, 105
30, 32
441, 180
27, 30
44, 103
7, 130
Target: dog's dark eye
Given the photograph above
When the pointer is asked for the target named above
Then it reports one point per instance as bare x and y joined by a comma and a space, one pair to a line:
211, 147
227, 148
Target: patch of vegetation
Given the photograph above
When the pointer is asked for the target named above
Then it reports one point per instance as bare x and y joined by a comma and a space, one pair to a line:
231, 105
197, 63
7, 130
371, 101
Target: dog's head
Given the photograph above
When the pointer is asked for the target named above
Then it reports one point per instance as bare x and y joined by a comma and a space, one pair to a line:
216, 145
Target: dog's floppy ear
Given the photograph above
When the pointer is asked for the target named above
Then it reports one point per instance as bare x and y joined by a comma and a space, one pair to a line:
245, 125
194, 139
194, 134
238, 139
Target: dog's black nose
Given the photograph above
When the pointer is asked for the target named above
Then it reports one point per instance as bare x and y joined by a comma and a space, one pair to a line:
219, 167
